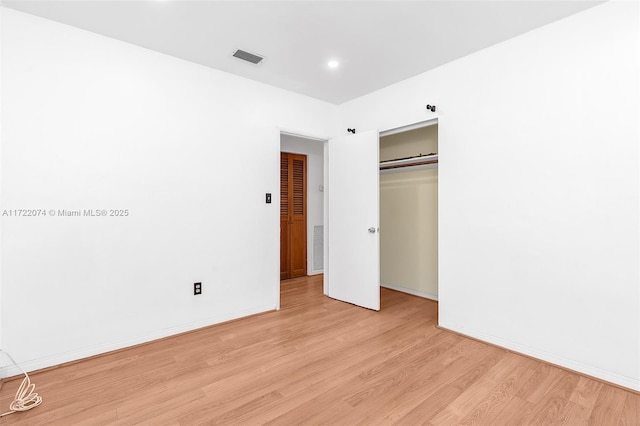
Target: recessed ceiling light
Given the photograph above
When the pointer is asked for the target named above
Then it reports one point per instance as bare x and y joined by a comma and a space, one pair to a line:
333, 64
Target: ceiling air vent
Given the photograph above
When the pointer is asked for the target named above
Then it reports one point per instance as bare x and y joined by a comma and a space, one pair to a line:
246, 56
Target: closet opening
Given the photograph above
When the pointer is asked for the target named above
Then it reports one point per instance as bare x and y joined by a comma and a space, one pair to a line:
409, 209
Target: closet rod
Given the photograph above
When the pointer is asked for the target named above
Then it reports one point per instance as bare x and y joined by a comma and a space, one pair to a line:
409, 162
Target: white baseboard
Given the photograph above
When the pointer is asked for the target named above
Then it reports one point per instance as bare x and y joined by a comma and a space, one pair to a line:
618, 379
410, 291
57, 359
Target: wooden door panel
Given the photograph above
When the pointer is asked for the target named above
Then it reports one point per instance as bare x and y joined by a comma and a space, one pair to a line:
298, 211
285, 271
293, 215
298, 185
284, 186
298, 249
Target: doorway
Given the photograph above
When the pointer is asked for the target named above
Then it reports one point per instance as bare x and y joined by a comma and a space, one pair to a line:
312, 261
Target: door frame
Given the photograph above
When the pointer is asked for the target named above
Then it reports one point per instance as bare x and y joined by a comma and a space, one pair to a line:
409, 127
321, 139
324, 139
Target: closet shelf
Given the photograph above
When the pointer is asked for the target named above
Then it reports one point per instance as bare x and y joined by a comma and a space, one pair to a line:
421, 160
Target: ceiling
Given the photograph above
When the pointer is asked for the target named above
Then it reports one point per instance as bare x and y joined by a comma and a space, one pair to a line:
377, 43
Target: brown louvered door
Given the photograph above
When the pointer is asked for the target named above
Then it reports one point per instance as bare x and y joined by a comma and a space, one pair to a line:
293, 215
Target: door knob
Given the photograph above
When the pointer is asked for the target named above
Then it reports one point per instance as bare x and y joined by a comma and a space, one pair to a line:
372, 230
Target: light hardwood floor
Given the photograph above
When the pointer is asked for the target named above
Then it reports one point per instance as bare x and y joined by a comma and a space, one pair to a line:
320, 361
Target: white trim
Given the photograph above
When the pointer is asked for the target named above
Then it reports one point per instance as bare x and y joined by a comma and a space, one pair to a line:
325, 221
299, 134
638, 132
275, 199
409, 127
618, 379
410, 291
324, 140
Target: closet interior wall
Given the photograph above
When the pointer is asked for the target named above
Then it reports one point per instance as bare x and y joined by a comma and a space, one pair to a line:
409, 215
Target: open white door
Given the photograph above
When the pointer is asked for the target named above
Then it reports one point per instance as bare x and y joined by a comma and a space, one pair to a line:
353, 267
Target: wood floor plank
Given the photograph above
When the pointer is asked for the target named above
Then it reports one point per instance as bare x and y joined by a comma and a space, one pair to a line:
299, 384
321, 361
535, 389
422, 400
363, 383
586, 392
426, 410
514, 412
491, 406
609, 406
631, 411
477, 392
149, 407
550, 408
574, 414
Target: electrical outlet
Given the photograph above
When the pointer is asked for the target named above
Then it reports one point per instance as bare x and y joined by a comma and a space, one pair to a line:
197, 288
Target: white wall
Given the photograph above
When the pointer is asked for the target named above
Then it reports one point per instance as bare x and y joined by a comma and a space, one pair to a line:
93, 123
2, 372
538, 189
314, 150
